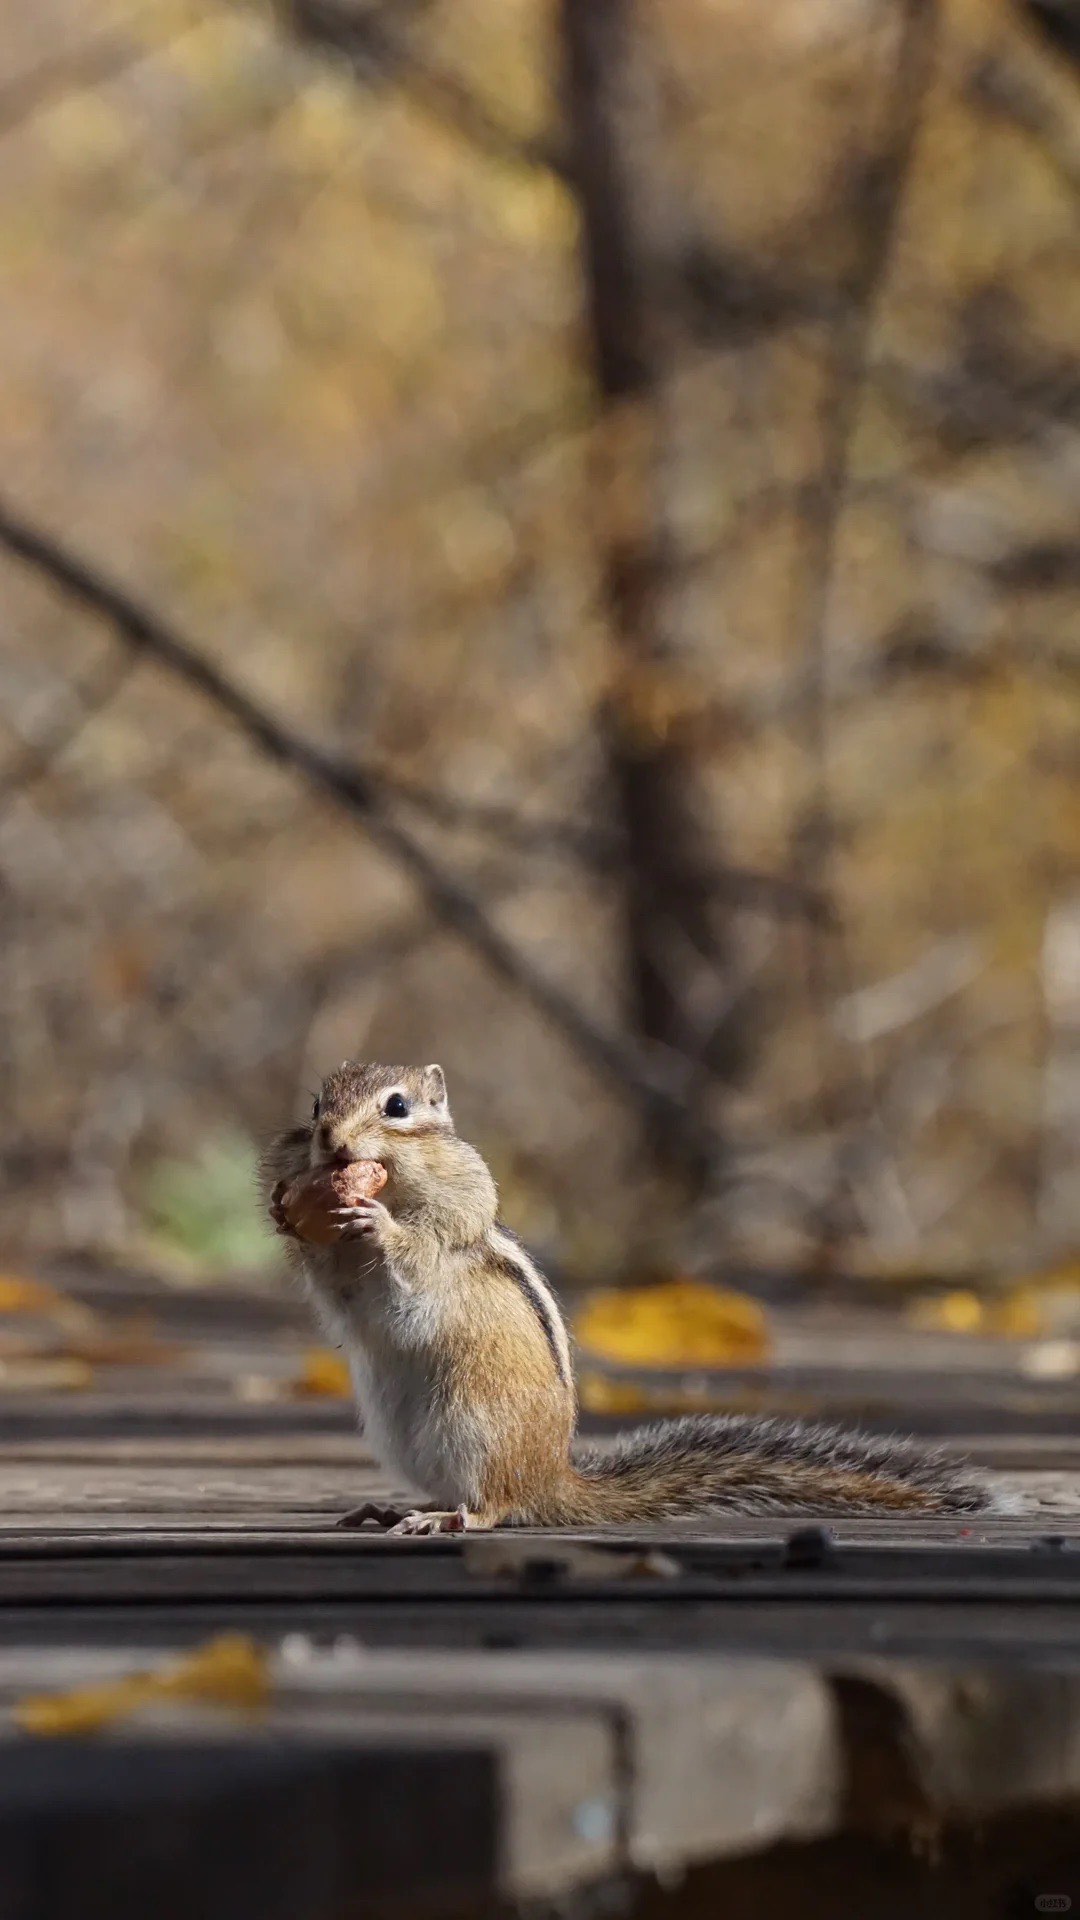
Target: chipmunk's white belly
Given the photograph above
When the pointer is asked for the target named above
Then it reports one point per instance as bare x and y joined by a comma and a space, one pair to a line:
416, 1443
436, 1448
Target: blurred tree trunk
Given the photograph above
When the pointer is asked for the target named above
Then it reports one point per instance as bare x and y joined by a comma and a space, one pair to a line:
653, 724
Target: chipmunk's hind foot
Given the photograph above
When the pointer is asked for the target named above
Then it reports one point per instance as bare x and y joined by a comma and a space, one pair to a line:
415, 1521
426, 1523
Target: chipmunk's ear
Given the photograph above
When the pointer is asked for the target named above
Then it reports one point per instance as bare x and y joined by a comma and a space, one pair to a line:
435, 1088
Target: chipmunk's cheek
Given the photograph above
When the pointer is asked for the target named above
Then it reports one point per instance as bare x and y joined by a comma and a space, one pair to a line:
361, 1146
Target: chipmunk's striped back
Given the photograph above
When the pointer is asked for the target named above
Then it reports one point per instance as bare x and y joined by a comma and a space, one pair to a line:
513, 1259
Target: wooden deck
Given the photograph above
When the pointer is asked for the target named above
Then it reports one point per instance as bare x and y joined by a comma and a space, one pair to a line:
513, 1716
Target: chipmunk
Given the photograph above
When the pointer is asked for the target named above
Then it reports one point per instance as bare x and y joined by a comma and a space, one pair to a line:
462, 1366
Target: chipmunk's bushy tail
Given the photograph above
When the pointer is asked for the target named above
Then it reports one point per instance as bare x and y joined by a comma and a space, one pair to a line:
736, 1463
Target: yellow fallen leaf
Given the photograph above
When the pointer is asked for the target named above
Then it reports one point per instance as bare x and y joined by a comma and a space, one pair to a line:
124, 1346
1064, 1276
1044, 1303
44, 1302
126, 1343
958, 1312
1019, 1316
32, 1373
229, 1671
678, 1323
25, 1296
600, 1394
324, 1375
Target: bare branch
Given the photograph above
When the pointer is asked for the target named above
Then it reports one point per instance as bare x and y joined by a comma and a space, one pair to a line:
1021, 81
37, 757
370, 38
658, 1080
886, 1005
594, 846
884, 179
882, 184
1057, 22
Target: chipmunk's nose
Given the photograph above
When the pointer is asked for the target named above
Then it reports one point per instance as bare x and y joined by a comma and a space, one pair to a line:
332, 1147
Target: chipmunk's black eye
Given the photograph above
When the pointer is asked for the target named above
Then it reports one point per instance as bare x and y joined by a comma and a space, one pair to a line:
397, 1107
315, 1108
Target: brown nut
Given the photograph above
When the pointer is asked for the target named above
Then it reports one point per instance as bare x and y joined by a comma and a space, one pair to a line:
360, 1180
309, 1202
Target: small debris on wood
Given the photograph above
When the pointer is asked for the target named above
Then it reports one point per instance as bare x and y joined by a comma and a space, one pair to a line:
500, 1557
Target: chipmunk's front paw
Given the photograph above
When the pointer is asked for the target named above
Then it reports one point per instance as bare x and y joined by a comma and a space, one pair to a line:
386, 1518
282, 1223
366, 1220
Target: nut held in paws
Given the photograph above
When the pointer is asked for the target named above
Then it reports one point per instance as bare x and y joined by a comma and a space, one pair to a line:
360, 1180
309, 1202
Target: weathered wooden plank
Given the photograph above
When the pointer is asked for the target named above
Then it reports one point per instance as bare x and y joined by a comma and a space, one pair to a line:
163, 1412
1018, 1632
809, 1562
48, 1492
659, 1761
237, 1831
863, 1367
711, 1754
974, 1739
213, 1307
161, 1505
203, 1479
699, 1756
951, 1604
344, 1449
719, 1755
160, 1403
558, 1793
547, 1807
344, 1446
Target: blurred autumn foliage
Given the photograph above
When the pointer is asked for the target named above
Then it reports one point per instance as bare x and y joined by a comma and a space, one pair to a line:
638, 447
